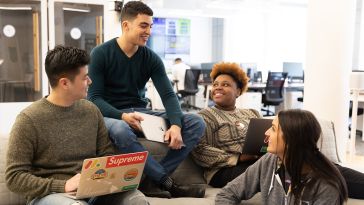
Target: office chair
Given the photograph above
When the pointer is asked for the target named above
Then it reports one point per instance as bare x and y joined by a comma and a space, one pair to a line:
274, 91
191, 87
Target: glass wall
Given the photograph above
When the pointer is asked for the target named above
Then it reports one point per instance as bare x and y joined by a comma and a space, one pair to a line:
78, 25
20, 51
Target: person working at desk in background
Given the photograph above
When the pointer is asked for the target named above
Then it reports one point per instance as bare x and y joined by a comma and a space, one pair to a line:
120, 69
51, 138
294, 172
179, 72
219, 149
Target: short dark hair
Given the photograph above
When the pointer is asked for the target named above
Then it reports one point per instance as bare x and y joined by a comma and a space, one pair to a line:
133, 8
177, 59
64, 61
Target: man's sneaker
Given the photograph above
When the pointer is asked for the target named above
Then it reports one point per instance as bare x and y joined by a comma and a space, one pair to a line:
151, 189
196, 191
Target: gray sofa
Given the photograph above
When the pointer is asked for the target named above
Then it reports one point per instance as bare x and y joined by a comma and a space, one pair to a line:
187, 173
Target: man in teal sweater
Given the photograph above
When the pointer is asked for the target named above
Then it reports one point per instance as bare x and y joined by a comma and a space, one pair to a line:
120, 69
51, 138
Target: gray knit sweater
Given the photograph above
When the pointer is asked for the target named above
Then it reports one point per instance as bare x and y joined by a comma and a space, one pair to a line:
48, 144
261, 177
223, 140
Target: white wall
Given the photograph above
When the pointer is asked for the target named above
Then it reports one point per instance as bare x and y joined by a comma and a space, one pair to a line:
267, 37
112, 26
201, 39
361, 38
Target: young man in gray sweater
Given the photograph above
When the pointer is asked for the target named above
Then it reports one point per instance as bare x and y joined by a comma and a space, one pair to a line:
51, 138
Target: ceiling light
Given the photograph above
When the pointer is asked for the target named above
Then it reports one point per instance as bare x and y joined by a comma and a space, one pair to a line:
16, 8
77, 10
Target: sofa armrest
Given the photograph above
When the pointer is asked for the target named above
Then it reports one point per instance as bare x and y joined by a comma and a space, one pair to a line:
6, 196
328, 142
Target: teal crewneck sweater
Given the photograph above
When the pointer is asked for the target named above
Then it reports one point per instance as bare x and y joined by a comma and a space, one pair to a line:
118, 82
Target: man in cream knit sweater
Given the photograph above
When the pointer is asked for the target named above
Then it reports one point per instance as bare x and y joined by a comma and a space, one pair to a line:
51, 138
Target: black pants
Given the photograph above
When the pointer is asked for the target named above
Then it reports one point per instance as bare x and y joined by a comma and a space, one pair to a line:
227, 174
354, 182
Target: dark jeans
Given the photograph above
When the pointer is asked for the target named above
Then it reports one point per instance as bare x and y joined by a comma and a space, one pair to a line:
227, 174
126, 140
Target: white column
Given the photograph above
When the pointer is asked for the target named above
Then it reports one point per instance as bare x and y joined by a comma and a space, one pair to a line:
330, 31
112, 25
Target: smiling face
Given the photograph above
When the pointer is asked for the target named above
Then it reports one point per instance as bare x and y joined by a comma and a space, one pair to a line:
276, 144
77, 88
225, 91
138, 29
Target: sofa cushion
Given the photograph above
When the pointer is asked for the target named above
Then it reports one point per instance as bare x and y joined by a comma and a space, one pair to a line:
328, 143
6, 197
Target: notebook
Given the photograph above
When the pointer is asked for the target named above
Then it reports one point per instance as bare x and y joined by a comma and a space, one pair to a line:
153, 127
254, 140
110, 174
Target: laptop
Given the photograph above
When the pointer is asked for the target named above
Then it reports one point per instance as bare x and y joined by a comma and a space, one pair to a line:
110, 174
254, 140
153, 127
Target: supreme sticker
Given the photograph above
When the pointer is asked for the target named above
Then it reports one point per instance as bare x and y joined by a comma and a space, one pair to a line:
126, 159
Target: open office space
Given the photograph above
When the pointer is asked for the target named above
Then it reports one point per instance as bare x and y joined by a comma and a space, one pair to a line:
320, 49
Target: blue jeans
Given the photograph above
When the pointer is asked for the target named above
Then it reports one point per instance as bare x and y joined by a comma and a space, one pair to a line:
125, 139
130, 197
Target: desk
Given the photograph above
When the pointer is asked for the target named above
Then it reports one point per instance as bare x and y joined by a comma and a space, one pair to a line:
356, 96
287, 86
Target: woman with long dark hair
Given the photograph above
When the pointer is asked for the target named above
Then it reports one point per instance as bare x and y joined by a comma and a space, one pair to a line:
294, 171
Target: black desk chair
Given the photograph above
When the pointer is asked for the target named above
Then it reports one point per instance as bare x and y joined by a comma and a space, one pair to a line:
273, 92
191, 87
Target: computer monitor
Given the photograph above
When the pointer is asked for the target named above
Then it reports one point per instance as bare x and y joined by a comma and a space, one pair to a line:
294, 70
205, 72
251, 70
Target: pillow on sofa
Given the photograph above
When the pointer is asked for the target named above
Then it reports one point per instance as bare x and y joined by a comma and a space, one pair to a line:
327, 142
6, 197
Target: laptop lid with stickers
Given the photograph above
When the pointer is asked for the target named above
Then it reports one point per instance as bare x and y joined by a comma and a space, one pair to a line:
110, 174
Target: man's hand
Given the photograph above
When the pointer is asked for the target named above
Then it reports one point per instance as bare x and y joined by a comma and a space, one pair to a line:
72, 183
133, 120
173, 136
